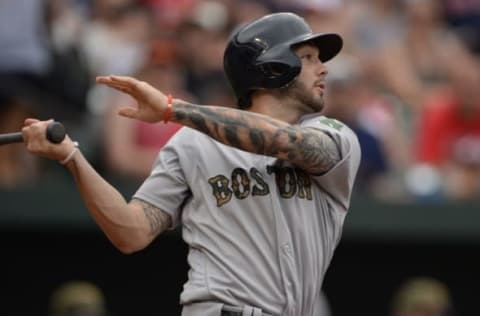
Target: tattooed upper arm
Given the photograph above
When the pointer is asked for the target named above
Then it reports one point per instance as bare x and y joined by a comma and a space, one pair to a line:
158, 220
312, 150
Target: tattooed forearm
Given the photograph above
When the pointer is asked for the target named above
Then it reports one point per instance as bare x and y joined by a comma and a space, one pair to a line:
157, 219
309, 149
229, 126
240, 129
317, 149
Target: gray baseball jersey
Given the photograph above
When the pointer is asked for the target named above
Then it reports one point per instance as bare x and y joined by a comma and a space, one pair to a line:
261, 232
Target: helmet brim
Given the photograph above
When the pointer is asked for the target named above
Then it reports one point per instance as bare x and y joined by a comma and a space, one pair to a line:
328, 44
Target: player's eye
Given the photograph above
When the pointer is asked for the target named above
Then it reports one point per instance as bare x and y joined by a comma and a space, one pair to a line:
308, 57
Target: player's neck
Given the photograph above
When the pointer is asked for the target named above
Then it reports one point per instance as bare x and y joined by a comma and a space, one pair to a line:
269, 105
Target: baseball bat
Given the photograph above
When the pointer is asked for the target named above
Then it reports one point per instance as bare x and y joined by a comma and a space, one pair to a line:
55, 133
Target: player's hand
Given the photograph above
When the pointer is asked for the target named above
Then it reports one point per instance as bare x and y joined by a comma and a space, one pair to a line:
151, 102
34, 136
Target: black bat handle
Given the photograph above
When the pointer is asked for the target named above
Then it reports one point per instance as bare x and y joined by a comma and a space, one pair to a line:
55, 133
10, 138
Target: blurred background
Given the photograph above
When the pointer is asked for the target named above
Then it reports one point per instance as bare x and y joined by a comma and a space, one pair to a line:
407, 81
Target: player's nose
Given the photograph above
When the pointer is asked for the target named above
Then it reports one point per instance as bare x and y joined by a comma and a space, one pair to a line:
320, 69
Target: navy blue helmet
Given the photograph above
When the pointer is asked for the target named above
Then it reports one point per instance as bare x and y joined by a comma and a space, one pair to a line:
259, 55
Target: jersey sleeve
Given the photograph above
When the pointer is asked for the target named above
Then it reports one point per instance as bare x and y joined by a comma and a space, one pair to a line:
166, 187
338, 181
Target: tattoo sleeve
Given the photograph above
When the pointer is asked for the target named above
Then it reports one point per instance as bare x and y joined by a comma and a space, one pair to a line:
312, 150
157, 219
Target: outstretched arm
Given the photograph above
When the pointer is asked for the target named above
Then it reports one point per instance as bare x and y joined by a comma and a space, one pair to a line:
308, 148
129, 226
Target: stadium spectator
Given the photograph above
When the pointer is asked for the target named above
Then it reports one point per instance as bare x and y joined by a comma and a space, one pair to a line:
77, 298
17, 168
352, 97
448, 131
422, 296
463, 17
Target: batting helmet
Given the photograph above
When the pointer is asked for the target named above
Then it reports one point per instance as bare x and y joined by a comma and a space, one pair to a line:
259, 54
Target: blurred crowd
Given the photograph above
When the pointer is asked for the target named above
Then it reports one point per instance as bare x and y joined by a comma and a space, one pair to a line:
414, 296
407, 81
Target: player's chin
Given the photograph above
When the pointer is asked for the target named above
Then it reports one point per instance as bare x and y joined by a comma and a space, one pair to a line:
317, 103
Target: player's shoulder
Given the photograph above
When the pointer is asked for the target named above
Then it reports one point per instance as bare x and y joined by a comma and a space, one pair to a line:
341, 133
325, 123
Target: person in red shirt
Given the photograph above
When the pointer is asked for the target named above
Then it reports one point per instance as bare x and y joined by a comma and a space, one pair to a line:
448, 134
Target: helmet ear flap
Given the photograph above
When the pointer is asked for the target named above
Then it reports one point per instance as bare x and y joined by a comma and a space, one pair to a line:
273, 70
277, 66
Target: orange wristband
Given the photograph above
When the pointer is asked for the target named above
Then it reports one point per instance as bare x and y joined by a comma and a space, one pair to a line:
167, 114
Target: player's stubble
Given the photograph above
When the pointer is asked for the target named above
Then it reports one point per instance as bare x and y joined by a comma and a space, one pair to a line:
298, 94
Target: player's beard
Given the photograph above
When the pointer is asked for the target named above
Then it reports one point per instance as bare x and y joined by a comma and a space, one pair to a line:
297, 92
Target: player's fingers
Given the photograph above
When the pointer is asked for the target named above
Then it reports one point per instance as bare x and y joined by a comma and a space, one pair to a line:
35, 125
103, 79
132, 86
128, 111
34, 130
109, 81
125, 80
30, 121
117, 86
25, 134
127, 90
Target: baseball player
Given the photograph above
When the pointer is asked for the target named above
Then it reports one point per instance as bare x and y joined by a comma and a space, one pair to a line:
261, 191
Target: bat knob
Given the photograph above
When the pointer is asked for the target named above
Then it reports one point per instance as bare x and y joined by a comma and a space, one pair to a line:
56, 132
